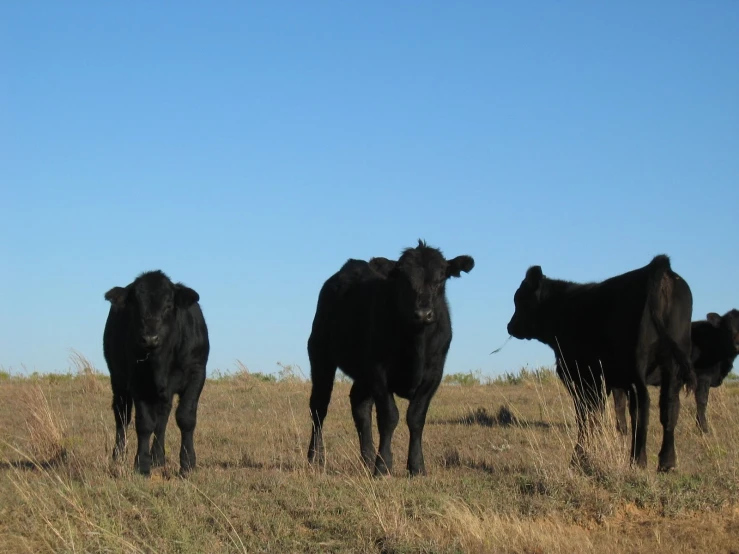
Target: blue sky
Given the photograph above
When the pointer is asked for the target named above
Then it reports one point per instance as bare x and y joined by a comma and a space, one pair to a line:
249, 149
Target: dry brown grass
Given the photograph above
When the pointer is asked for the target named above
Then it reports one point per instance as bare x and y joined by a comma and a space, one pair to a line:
497, 454
87, 375
45, 430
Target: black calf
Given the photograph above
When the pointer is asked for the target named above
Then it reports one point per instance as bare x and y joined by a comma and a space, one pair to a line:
614, 334
156, 345
715, 346
386, 324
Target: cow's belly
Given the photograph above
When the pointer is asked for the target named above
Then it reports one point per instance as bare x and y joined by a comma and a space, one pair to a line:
616, 372
400, 384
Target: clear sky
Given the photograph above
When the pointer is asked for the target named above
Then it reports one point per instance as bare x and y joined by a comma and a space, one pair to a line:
249, 148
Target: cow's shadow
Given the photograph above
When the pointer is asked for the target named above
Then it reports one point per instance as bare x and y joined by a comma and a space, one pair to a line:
35, 465
504, 418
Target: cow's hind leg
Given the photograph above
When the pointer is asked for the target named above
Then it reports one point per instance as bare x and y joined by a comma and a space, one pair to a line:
387, 421
701, 402
322, 379
157, 447
362, 402
639, 411
186, 416
669, 409
122, 410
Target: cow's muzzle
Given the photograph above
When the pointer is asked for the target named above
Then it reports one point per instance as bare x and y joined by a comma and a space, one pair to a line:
150, 342
424, 315
514, 331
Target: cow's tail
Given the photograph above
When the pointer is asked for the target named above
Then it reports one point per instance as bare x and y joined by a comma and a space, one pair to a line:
659, 301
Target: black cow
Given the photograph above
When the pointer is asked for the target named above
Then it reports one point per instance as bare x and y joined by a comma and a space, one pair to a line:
614, 334
386, 325
381, 265
156, 345
715, 346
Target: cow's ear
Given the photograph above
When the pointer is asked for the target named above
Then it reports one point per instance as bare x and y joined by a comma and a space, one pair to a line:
714, 319
117, 297
185, 296
381, 265
534, 275
455, 267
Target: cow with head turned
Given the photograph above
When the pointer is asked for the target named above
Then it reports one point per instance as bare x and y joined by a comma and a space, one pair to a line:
386, 325
617, 333
715, 347
155, 345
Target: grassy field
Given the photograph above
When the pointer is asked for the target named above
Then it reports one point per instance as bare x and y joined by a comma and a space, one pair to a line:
497, 454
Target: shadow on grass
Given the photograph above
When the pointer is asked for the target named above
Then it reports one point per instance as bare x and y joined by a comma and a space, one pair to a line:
504, 418
245, 462
35, 465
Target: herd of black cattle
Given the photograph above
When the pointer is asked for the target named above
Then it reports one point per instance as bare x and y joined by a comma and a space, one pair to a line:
386, 324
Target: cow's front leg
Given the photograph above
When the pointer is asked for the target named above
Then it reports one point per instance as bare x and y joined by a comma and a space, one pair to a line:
362, 402
619, 406
186, 416
701, 402
122, 410
145, 422
416, 420
387, 421
162, 412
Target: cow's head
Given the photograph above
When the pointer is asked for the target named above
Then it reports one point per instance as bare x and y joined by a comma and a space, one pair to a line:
729, 323
419, 278
151, 302
524, 323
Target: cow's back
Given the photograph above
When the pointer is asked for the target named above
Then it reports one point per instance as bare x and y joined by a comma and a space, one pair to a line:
344, 313
192, 334
597, 324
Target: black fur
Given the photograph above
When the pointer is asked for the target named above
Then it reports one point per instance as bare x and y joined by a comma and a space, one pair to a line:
614, 334
386, 324
156, 345
715, 347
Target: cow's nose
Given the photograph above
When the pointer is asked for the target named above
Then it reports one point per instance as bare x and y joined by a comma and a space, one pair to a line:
151, 340
424, 314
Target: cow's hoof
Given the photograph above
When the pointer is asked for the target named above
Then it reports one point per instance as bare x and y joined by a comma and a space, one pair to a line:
316, 457
666, 465
381, 470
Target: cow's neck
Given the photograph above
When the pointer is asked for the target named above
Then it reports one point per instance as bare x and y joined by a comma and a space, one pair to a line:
156, 364
558, 303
